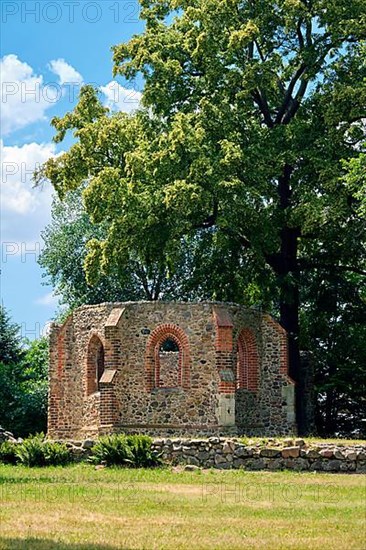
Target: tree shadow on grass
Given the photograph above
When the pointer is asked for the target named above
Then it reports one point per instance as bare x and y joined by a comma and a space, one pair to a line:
35, 543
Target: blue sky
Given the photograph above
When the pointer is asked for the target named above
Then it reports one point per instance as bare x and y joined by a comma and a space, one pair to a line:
47, 50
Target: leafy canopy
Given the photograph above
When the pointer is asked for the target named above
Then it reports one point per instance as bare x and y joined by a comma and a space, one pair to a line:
236, 95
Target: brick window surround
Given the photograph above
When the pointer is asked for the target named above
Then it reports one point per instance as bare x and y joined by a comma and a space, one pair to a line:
247, 365
95, 364
152, 361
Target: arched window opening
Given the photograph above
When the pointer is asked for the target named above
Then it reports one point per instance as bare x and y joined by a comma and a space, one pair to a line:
95, 364
247, 367
167, 358
167, 365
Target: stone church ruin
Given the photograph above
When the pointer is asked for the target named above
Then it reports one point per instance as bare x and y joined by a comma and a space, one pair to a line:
165, 369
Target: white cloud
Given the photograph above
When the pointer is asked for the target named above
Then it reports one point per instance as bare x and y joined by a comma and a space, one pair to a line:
65, 72
48, 299
17, 167
24, 209
119, 98
24, 99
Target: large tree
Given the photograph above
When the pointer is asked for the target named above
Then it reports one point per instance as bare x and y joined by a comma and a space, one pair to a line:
250, 111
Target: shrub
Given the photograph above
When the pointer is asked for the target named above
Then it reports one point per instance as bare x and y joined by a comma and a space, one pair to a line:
113, 450
30, 452
125, 450
36, 451
8, 453
56, 454
143, 455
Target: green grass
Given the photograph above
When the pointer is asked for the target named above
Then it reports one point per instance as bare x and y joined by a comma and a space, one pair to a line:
80, 508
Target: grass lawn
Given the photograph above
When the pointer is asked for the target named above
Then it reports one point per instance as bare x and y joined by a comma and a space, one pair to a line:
78, 507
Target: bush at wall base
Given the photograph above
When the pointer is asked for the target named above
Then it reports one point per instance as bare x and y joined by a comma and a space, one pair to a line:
125, 450
8, 454
35, 451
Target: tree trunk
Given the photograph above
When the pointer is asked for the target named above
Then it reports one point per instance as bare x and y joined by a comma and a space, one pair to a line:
288, 273
289, 319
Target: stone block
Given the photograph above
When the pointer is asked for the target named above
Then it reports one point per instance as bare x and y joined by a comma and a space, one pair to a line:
269, 452
220, 459
243, 452
290, 452
326, 453
331, 465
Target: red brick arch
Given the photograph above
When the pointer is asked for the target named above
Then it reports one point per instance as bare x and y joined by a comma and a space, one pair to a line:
94, 364
156, 338
247, 370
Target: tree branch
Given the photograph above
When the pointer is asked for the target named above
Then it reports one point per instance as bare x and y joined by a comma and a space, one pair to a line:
295, 103
261, 101
240, 238
141, 274
259, 50
300, 35
288, 96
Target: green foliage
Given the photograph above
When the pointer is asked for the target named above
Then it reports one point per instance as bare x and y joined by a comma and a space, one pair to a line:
64, 253
124, 450
10, 349
8, 454
56, 454
34, 389
334, 331
113, 450
234, 102
65, 250
355, 179
142, 454
36, 451
23, 381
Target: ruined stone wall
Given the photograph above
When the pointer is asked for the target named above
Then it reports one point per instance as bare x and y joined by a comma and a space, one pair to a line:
199, 389
290, 454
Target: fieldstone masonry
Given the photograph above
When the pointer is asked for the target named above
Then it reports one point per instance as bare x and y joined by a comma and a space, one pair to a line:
169, 369
290, 454
231, 453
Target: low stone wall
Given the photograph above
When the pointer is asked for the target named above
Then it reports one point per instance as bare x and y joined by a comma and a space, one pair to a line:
231, 453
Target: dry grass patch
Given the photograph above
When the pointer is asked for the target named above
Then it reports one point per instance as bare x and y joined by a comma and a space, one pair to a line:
79, 508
